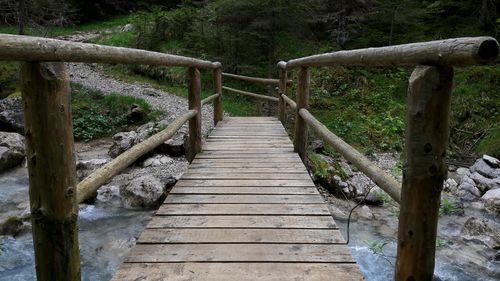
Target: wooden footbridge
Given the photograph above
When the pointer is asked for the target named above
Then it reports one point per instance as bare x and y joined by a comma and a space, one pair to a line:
246, 209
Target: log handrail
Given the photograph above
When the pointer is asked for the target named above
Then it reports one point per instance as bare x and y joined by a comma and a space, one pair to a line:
27, 48
88, 186
265, 81
209, 99
250, 94
451, 52
289, 101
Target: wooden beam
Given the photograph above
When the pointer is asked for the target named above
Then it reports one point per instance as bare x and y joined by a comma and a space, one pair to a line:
381, 178
88, 187
209, 99
27, 48
290, 102
282, 91
300, 137
194, 100
429, 95
52, 173
253, 95
218, 107
458, 51
265, 81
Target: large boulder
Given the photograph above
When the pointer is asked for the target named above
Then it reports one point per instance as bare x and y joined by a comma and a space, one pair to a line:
122, 142
485, 168
484, 183
143, 192
467, 189
11, 115
481, 230
86, 167
492, 200
12, 150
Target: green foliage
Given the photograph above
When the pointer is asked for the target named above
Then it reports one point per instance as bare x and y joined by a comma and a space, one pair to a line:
440, 243
377, 247
447, 207
394, 211
2, 241
9, 81
97, 115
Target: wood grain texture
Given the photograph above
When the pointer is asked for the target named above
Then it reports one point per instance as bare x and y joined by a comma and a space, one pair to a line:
247, 199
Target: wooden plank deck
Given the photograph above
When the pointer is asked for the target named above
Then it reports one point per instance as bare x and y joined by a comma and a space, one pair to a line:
246, 209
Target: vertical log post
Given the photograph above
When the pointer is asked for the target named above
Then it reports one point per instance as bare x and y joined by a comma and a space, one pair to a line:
218, 108
300, 137
52, 174
282, 91
194, 99
429, 95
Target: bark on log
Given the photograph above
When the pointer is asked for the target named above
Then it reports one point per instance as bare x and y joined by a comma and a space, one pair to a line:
218, 107
194, 100
458, 51
209, 99
300, 136
265, 81
429, 95
377, 175
52, 172
253, 95
88, 187
27, 48
290, 102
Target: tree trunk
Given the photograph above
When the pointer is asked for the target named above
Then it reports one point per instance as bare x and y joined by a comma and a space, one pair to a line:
300, 137
194, 99
51, 166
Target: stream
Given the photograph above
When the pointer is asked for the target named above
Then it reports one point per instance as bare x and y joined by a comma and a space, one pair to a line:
106, 234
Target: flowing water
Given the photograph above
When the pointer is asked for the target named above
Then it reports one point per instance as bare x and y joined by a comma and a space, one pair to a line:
107, 234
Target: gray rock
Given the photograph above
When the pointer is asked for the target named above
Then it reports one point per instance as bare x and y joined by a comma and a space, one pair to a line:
365, 212
109, 194
143, 192
482, 230
128, 27
12, 151
11, 115
121, 142
492, 200
463, 172
150, 92
467, 190
318, 146
86, 167
360, 183
450, 185
174, 147
157, 160
483, 168
484, 183
492, 161
144, 131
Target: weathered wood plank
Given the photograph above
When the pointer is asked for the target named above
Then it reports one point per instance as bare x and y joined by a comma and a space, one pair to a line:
245, 183
243, 209
239, 199
242, 221
224, 176
330, 253
238, 235
242, 190
243, 271
238, 170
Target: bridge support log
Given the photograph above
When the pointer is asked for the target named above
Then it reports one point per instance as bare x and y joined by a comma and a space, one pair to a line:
300, 137
429, 95
282, 91
218, 109
52, 174
194, 99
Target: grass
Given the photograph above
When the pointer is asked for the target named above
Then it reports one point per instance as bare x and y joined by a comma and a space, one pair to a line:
96, 115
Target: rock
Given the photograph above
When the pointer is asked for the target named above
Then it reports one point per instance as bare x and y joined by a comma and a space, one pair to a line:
109, 194
121, 142
169, 181
481, 229
450, 185
144, 131
150, 92
360, 183
467, 190
483, 168
484, 183
143, 192
136, 113
11, 115
463, 172
157, 160
12, 151
492, 161
128, 27
86, 167
365, 213
375, 197
173, 147
492, 200
13, 226
318, 146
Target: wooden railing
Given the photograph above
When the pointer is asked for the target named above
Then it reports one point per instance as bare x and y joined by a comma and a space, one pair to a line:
428, 106
54, 192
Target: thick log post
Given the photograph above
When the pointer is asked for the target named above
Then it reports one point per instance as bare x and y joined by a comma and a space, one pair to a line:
52, 174
282, 91
218, 108
429, 95
300, 137
194, 99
